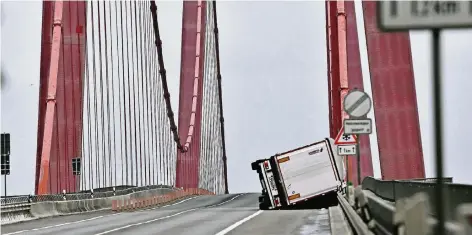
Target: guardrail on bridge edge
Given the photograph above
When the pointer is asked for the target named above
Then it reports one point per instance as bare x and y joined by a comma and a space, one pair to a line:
391, 206
88, 194
147, 196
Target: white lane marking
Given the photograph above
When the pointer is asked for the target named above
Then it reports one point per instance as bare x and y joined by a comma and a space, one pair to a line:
90, 219
166, 217
235, 225
219, 204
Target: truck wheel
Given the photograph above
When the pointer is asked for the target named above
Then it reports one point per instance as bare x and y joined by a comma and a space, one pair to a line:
263, 206
261, 199
255, 164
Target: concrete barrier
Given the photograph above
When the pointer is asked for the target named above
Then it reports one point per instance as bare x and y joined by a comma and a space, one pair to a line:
394, 190
23, 212
18, 212
130, 204
464, 217
411, 215
408, 216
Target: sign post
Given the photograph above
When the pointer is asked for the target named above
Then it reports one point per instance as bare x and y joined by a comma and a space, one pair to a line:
358, 156
357, 104
346, 145
433, 15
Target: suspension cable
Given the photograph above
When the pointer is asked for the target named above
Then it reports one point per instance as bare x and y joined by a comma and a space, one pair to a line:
162, 72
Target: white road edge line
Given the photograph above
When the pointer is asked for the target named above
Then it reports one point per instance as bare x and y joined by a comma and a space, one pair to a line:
235, 225
93, 218
165, 217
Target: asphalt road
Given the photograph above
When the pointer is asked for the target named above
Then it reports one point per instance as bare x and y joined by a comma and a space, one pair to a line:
235, 214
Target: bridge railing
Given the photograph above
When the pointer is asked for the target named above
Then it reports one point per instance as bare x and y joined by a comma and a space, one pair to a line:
88, 194
391, 206
446, 180
394, 190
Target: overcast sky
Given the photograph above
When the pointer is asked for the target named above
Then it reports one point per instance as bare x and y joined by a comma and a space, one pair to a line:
275, 97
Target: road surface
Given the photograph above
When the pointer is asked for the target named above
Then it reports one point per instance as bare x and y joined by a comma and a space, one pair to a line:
235, 214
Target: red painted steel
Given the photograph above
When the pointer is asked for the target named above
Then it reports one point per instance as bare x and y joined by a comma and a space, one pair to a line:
46, 41
344, 63
333, 69
354, 70
191, 88
60, 107
394, 96
343, 74
337, 65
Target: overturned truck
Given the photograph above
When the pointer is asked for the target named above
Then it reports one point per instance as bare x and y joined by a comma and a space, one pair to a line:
306, 177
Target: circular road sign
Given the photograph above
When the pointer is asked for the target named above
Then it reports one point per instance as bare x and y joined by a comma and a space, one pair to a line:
357, 103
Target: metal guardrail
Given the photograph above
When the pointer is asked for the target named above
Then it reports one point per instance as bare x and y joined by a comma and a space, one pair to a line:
15, 208
394, 190
447, 180
408, 206
356, 222
89, 194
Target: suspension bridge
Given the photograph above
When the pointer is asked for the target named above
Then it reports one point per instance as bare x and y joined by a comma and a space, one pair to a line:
113, 156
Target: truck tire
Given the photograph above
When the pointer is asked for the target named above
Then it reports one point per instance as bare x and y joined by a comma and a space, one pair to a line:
255, 164
261, 198
263, 202
263, 206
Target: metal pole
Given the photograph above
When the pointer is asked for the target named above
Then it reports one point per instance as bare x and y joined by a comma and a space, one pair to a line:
5, 185
358, 156
347, 175
438, 131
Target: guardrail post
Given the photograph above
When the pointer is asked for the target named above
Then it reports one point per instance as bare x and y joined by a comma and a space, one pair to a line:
30, 198
360, 204
351, 198
91, 193
411, 215
64, 194
464, 217
114, 191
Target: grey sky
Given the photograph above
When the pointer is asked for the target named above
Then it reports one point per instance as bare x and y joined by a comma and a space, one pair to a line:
274, 83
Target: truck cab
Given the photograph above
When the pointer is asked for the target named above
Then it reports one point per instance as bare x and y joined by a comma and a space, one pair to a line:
270, 198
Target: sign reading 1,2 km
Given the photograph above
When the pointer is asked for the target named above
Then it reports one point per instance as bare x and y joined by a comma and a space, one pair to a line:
403, 15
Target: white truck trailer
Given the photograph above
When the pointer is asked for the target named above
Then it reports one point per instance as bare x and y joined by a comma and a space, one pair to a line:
300, 175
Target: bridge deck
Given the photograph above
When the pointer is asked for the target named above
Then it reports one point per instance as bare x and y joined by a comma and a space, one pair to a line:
222, 214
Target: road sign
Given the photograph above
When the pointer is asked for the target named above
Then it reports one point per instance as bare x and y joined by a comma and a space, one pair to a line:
5, 164
344, 150
404, 15
357, 126
357, 103
76, 166
5, 141
343, 139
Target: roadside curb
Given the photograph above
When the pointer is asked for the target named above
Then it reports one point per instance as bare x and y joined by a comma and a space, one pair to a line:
119, 205
31, 211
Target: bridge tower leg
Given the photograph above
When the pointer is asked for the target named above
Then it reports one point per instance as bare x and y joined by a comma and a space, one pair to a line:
394, 98
191, 83
344, 73
60, 96
354, 70
393, 90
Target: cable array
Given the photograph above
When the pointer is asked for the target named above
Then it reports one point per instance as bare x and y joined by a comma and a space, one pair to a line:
212, 149
104, 100
126, 137
212, 162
